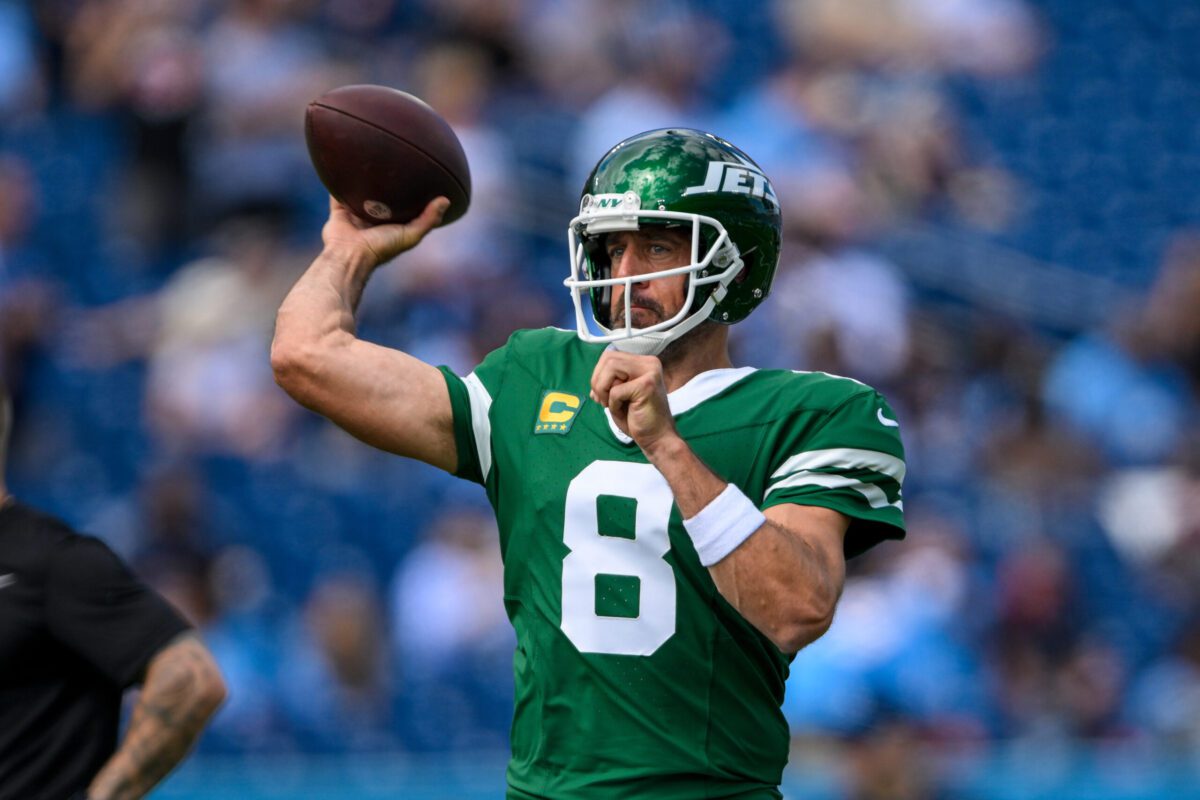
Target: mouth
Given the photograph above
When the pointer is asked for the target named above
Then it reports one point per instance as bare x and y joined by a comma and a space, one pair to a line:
644, 313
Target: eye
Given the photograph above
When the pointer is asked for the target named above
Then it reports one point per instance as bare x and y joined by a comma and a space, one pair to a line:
664, 248
616, 252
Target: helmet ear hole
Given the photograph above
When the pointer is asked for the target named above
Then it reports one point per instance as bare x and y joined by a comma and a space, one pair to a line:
599, 268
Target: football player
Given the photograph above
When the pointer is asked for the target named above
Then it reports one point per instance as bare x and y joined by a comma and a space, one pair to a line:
674, 528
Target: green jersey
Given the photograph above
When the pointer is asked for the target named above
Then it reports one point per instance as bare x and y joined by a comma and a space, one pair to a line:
634, 677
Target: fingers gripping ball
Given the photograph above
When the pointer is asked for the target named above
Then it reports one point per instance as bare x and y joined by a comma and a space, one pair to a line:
385, 154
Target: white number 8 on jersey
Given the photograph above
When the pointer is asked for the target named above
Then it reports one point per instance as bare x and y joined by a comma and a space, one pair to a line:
593, 553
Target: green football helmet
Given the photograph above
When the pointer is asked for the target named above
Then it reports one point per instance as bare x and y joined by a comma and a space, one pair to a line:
682, 178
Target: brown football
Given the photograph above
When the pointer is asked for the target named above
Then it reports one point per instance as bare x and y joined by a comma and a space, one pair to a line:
385, 153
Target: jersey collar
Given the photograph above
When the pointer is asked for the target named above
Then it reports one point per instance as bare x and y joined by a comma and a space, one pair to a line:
702, 387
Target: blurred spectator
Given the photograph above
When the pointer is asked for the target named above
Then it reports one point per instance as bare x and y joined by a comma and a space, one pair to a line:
209, 388
1172, 325
1089, 688
334, 676
1035, 631
1037, 461
492, 26
262, 67
173, 541
27, 301
658, 76
446, 596
18, 211
1166, 700
813, 172
244, 636
843, 311
984, 36
885, 763
451, 638
21, 83
142, 59
1138, 398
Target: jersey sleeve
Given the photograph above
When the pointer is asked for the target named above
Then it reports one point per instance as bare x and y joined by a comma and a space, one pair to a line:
852, 462
471, 402
96, 607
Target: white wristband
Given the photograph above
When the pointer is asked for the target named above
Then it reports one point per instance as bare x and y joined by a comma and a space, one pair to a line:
723, 524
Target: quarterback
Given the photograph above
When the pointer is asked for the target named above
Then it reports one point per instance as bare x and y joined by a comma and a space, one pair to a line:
674, 528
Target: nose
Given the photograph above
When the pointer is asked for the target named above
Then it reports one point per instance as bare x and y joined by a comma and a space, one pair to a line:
631, 263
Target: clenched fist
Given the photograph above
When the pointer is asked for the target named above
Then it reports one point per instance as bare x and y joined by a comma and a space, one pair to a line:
635, 393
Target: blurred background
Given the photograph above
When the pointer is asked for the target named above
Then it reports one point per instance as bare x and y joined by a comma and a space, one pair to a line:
992, 213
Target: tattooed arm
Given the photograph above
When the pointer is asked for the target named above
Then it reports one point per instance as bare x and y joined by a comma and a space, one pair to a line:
182, 690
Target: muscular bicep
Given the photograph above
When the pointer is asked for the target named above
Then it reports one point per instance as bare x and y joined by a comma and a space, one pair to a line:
382, 396
820, 530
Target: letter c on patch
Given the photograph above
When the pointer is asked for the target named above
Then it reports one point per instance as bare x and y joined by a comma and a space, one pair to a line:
558, 407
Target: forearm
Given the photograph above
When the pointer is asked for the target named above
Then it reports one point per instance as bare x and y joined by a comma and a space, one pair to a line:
324, 300
182, 690
777, 578
692, 482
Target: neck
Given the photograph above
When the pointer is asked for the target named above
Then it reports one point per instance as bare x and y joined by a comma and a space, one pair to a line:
699, 350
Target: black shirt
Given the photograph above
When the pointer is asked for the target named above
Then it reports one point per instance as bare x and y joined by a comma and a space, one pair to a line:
76, 629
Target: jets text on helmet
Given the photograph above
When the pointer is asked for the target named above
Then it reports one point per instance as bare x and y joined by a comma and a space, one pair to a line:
726, 176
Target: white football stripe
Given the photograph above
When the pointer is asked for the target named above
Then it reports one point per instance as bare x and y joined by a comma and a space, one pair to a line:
705, 386
481, 403
829, 375
843, 458
874, 495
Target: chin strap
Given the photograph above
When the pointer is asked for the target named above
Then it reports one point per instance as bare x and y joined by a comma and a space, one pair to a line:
648, 344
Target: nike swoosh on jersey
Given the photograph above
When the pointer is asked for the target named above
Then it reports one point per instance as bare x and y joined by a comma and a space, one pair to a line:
889, 423
8, 579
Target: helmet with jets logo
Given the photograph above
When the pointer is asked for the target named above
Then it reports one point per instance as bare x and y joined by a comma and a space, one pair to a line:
699, 184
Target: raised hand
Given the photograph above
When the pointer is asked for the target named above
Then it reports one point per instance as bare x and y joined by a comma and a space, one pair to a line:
634, 391
344, 231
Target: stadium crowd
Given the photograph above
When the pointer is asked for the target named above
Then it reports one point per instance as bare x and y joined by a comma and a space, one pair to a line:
156, 203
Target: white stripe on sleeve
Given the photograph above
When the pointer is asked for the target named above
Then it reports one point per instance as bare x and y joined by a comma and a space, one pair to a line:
481, 403
874, 495
843, 458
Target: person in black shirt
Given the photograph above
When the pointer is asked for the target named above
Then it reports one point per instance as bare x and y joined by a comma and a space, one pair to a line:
76, 630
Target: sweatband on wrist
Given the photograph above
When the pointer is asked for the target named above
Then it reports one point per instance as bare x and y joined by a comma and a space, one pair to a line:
723, 524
